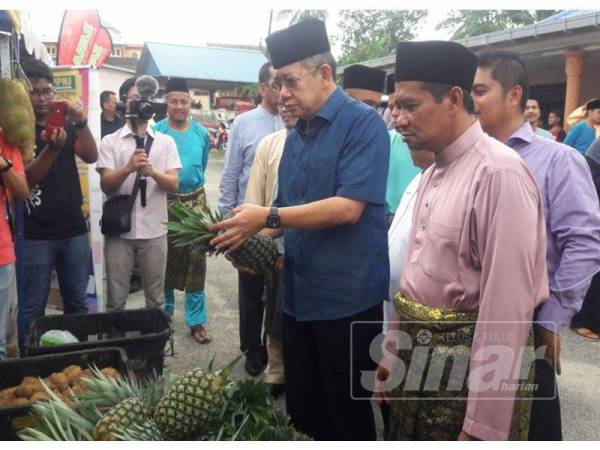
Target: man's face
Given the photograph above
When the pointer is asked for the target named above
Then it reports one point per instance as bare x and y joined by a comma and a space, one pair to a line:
492, 105
532, 111
594, 115
269, 95
302, 90
179, 106
288, 118
371, 98
553, 120
110, 105
132, 93
423, 123
41, 94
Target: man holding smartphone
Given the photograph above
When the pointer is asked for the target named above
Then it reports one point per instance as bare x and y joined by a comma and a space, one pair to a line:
55, 228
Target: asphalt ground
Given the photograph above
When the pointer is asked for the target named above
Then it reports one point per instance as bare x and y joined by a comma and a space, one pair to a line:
579, 384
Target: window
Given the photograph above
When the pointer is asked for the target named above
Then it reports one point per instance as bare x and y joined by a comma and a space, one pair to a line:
116, 52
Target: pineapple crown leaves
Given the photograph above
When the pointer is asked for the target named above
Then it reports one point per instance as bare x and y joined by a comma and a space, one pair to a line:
191, 227
102, 391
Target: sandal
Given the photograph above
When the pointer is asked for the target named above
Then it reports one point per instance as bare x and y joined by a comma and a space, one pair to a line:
200, 334
587, 334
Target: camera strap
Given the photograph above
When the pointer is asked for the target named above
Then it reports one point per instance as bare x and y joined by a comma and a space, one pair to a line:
140, 182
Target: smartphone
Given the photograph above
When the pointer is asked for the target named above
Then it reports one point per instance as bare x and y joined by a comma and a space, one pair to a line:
57, 111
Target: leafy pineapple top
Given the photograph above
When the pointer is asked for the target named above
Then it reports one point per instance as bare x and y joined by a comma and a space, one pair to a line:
191, 227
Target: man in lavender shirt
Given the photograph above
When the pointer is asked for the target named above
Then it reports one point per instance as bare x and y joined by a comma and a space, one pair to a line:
246, 133
570, 208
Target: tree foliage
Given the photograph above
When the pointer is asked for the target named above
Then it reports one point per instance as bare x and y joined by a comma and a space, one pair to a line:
468, 22
370, 33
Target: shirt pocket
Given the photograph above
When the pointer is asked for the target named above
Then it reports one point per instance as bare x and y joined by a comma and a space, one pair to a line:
440, 252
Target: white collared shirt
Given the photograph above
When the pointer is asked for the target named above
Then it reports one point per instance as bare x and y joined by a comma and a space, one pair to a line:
398, 236
115, 151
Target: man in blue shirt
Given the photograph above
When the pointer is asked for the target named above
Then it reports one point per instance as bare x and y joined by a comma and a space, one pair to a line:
246, 133
582, 135
186, 268
331, 205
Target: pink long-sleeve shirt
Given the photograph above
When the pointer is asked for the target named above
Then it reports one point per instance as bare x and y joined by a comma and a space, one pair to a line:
478, 243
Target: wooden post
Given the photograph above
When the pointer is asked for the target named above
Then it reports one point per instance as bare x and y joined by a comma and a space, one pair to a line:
574, 71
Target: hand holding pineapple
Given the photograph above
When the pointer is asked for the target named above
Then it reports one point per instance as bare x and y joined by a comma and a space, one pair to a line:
247, 221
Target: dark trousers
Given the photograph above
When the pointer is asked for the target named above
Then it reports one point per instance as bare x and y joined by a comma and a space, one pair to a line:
589, 315
546, 422
250, 289
319, 362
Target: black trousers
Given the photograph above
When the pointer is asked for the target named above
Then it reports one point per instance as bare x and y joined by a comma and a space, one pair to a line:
589, 315
546, 421
250, 291
319, 364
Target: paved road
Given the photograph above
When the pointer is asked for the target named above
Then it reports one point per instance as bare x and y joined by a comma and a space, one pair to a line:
579, 382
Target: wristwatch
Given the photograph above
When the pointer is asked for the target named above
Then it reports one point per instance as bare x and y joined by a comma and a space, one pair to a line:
81, 125
273, 219
9, 164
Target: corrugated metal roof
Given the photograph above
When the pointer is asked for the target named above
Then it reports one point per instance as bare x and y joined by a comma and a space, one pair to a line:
202, 63
567, 14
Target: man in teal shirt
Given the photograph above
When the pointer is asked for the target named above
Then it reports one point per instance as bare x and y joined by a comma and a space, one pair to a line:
582, 135
401, 171
186, 268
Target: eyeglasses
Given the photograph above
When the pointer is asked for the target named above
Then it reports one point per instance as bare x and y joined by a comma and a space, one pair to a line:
289, 83
46, 92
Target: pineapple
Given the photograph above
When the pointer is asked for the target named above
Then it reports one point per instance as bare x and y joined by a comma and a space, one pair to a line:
258, 253
124, 415
192, 405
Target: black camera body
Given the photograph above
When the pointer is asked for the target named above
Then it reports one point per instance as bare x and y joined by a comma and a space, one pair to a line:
145, 108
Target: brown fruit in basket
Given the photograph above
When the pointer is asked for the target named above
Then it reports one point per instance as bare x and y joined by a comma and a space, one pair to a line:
20, 402
27, 390
6, 401
29, 380
59, 380
78, 388
39, 396
73, 374
110, 372
9, 392
87, 373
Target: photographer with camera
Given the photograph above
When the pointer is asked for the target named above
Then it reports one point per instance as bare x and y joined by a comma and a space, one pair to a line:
56, 232
137, 156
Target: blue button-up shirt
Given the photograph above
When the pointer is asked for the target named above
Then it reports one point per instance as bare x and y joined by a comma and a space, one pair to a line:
246, 133
343, 151
572, 221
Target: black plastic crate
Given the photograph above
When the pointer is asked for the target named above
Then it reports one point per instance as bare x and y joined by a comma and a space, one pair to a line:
142, 333
13, 371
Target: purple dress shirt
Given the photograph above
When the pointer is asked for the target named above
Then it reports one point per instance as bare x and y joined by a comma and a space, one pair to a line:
572, 221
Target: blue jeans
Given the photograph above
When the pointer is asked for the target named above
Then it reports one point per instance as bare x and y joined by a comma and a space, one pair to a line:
6, 291
194, 306
70, 257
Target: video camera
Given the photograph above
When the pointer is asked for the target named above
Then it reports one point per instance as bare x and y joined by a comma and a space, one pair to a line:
145, 105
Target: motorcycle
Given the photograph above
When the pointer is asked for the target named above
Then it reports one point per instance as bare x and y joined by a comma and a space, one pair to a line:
222, 136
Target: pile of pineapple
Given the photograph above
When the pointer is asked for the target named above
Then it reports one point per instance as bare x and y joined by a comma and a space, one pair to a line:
64, 385
200, 405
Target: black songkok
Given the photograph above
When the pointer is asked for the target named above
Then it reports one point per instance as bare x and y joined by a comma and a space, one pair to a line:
176, 84
297, 42
358, 76
440, 62
592, 104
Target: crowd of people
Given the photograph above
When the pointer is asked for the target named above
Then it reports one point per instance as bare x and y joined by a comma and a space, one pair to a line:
461, 219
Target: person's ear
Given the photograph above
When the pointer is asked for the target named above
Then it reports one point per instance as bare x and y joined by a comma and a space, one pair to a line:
515, 94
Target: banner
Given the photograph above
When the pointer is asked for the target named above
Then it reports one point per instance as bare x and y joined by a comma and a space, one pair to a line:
83, 40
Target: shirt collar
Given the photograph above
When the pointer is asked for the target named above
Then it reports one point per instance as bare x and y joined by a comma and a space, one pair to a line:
523, 134
460, 146
126, 131
327, 112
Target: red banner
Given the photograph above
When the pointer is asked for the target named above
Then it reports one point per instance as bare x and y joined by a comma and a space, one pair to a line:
83, 40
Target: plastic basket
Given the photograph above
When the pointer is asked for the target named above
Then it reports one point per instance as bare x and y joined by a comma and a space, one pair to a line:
13, 371
142, 333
